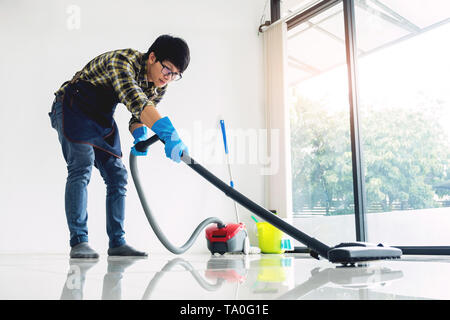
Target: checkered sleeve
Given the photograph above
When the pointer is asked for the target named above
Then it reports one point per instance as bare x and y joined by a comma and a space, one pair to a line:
155, 100
123, 80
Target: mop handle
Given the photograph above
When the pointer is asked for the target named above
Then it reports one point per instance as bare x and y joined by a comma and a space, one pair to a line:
224, 136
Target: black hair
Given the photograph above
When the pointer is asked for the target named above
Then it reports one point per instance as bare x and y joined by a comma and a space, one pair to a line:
173, 49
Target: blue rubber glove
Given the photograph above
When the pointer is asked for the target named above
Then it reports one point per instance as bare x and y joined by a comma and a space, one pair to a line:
174, 147
140, 134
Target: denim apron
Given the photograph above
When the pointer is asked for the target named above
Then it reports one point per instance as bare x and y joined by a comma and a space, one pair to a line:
88, 116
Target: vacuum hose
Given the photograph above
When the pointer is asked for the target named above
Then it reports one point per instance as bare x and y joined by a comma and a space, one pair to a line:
148, 213
318, 248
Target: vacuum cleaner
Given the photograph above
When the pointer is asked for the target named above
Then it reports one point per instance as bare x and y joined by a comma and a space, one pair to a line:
221, 238
347, 253
232, 237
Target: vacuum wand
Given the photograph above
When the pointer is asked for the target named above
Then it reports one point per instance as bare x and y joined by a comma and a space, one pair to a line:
312, 243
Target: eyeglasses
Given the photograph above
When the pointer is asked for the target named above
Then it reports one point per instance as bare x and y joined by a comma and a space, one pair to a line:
175, 76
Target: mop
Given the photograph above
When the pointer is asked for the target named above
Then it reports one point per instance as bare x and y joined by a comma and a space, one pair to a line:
251, 250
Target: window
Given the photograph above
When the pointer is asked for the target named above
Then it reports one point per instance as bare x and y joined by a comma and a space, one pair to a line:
322, 185
404, 109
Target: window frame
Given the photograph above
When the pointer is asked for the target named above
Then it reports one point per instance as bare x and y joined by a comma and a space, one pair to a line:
355, 134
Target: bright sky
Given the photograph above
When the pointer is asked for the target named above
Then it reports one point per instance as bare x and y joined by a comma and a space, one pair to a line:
392, 76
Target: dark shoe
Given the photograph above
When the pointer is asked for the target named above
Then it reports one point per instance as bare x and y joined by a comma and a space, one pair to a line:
83, 251
126, 250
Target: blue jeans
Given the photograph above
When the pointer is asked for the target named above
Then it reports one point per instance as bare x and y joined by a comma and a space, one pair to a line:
80, 159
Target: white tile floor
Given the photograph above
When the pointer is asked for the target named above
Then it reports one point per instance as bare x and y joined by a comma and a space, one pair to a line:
228, 277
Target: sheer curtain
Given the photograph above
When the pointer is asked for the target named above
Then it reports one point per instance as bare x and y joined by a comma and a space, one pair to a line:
278, 179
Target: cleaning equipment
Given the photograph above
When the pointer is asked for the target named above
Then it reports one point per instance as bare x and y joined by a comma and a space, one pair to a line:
344, 253
225, 144
269, 238
221, 238
234, 236
161, 236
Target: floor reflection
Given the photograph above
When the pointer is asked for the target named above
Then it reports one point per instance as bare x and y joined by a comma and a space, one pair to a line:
112, 281
76, 277
361, 278
168, 268
249, 276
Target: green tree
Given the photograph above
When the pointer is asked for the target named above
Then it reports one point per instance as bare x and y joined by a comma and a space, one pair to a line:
321, 158
406, 151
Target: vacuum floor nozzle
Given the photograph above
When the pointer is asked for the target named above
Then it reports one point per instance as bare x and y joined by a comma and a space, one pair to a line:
353, 252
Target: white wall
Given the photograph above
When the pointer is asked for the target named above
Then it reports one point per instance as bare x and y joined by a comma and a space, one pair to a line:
45, 42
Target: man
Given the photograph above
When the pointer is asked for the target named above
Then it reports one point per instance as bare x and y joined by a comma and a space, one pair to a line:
82, 114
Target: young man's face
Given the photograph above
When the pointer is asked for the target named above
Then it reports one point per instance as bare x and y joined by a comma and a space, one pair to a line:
155, 71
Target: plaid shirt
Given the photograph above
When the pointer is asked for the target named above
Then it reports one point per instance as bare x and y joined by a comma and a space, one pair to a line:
125, 72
